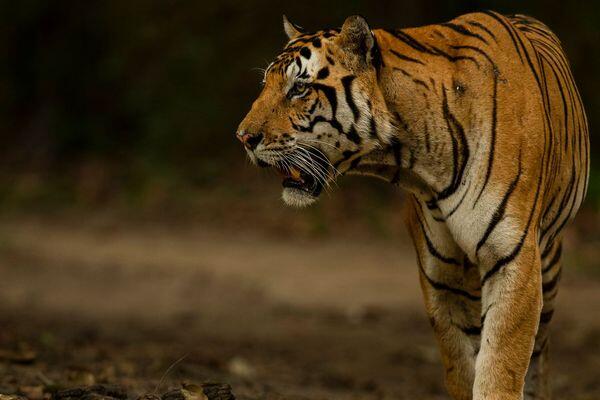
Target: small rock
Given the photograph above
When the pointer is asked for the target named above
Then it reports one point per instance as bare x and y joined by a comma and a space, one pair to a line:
205, 391
11, 397
240, 367
217, 391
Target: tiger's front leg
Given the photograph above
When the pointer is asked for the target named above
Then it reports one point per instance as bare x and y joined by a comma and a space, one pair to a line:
511, 303
451, 290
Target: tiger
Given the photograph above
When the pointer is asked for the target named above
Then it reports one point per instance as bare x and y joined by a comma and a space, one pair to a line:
479, 120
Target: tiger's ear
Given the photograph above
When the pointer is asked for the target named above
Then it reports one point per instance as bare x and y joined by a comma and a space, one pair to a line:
356, 37
291, 30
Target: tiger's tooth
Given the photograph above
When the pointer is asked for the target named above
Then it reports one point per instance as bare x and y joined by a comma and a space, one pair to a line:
295, 173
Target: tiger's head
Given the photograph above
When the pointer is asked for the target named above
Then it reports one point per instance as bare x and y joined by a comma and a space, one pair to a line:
320, 109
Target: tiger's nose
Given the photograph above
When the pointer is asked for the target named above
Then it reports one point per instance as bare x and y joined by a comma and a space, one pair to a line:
250, 140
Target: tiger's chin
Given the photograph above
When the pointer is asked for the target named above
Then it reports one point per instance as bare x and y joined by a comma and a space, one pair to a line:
297, 198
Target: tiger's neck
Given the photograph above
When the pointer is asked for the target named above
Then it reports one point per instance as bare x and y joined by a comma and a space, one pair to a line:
428, 103
387, 164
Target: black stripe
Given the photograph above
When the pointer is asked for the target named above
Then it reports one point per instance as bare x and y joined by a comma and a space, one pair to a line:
549, 247
562, 205
323, 73
354, 163
410, 41
376, 58
545, 317
510, 257
403, 71
470, 330
457, 206
432, 205
460, 156
554, 260
313, 106
318, 119
305, 52
479, 51
508, 28
353, 135
442, 286
433, 251
485, 313
548, 209
347, 83
449, 57
483, 28
397, 150
420, 82
504, 260
406, 58
401, 122
551, 284
373, 126
492, 150
501, 209
396, 177
464, 31
539, 351
346, 155
330, 93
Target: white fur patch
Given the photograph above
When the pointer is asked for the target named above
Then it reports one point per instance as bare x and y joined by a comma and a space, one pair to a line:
297, 198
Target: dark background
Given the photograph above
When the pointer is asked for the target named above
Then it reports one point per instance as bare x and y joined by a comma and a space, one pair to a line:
133, 231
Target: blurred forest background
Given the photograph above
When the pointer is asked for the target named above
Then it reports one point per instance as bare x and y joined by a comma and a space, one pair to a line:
132, 105
133, 231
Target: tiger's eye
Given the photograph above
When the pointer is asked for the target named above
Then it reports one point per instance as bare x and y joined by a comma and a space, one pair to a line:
298, 89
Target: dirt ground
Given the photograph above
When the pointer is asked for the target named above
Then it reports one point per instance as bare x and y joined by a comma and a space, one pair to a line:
275, 317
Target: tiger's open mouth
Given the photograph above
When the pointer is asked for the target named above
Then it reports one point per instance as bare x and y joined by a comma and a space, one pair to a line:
308, 181
298, 179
